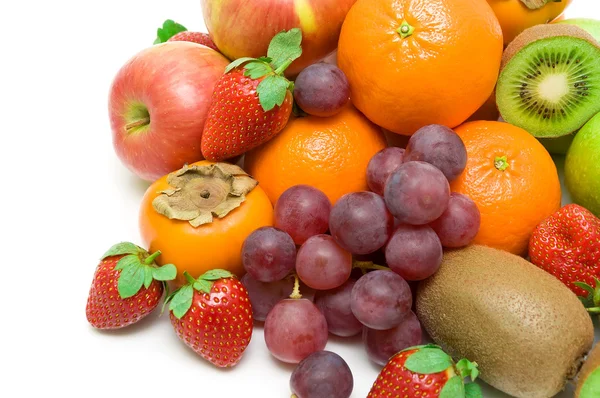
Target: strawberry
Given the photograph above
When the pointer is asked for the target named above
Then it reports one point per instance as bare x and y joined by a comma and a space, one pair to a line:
252, 101
425, 372
127, 286
567, 245
212, 315
172, 31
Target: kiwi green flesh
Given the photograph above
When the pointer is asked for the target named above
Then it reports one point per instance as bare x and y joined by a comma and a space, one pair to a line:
588, 380
551, 87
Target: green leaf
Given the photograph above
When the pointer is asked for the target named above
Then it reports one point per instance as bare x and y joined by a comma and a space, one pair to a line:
130, 281
238, 62
203, 286
428, 361
473, 390
285, 48
215, 275
167, 272
454, 388
467, 368
264, 59
169, 29
584, 286
255, 70
131, 260
122, 248
182, 301
271, 91
147, 277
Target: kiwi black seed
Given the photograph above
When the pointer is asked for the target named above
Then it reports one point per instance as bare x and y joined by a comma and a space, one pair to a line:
549, 82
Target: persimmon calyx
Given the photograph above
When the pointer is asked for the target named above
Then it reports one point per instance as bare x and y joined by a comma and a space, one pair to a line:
535, 4
200, 192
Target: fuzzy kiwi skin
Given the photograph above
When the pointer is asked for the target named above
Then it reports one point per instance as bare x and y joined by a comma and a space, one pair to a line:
526, 330
592, 364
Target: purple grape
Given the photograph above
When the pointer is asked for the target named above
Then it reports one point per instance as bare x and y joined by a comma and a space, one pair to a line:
269, 254
381, 166
360, 222
381, 299
414, 252
440, 146
321, 90
294, 329
335, 305
381, 345
302, 211
323, 374
417, 193
459, 224
322, 264
263, 296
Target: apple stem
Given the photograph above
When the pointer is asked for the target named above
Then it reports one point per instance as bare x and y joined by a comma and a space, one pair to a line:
138, 123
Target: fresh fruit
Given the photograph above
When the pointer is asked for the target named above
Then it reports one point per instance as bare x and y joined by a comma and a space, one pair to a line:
512, 180
127, 286
302, 211
263, 296
558, 146
321, 90
567, 245
417, 193
588, 379
382, 345
173, 31
548, 80
252, 101
158, 105
294, 329
335, 306
523, 327
360, 222
425, 371
322, 264
439, 146
487, 111
517, 15
414, 252
269, 254
323, 374
381, 299
397, 56
212, 315
200, 215
243, 30
330, 154
582, 166
592, 26
459, 223
381, 166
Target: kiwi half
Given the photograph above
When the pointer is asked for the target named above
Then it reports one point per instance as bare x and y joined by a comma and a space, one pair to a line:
588, 380
549, 82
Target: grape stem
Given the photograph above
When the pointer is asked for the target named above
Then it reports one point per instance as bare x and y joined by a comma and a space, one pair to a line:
296, 292
365, 265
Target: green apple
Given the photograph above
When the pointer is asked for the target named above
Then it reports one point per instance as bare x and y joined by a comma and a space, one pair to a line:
592, 26
582, 166
557, 146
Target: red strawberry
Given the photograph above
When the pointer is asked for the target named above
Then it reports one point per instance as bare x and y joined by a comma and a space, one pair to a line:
425, 372
195, 37
212, 315
127, 286
172, 31
252, 102
567, 245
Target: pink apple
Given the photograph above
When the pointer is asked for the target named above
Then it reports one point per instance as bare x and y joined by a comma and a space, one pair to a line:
243, 28
158, 105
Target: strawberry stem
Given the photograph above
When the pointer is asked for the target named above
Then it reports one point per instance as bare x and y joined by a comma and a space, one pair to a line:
188, 277
283, 66
150, 259
296, 292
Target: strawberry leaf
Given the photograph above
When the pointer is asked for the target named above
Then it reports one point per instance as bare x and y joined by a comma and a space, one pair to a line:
272, 91
264, 59
584, 286
122, 248
454, 388
216, 274
130, 281
473, 390
182, 301
147, 277
169, 29
238, 62
255, 69
167, 272
467, 368
203, 286
428, 361
128, 261
285, 48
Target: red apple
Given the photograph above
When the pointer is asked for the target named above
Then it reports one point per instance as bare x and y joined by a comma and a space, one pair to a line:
158, 104
243, 28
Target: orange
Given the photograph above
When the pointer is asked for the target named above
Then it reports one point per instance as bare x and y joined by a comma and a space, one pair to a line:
330, 154
515, 16
411, 63
214, 245
512, 179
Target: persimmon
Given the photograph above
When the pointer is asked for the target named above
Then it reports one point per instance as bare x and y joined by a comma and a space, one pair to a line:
199, 216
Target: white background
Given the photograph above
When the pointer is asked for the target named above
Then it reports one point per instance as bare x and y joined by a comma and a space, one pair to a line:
66, 199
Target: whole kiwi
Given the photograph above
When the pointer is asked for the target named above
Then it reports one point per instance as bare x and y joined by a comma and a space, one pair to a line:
588, 380
525, 329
